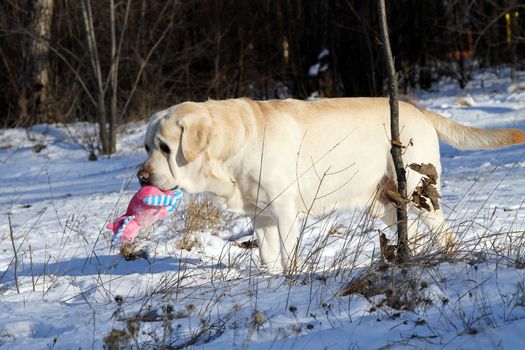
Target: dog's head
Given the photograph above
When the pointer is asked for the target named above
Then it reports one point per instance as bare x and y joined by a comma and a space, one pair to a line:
176, 142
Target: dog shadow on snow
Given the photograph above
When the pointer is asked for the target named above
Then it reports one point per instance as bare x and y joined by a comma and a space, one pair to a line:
106, 265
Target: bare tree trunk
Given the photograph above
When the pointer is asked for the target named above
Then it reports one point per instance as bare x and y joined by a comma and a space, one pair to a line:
34, 98
396, 150
87, 16
113, 81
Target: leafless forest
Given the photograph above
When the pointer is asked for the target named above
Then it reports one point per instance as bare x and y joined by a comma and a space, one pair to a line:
114, 61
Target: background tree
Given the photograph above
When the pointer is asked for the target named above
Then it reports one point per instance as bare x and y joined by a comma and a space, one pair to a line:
154, 53
397, 147
35, 95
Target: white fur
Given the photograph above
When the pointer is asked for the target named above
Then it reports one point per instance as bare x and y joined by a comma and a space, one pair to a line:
277, 160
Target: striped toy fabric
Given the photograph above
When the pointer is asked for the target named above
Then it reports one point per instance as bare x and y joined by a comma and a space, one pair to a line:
120, 231
163, 199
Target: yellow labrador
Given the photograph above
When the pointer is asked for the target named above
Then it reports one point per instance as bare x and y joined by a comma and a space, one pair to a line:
277, 160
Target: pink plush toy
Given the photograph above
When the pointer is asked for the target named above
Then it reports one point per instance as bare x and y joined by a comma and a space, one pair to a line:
147, 206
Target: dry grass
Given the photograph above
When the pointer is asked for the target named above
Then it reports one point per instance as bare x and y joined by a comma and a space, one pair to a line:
390, 289
355, 266
201, 215
127, 250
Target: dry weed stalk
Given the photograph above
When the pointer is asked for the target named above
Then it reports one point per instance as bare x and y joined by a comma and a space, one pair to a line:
401, 288
14, 252
201, 215
384, 285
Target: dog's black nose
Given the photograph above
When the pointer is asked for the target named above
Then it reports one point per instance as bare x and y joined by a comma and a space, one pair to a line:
144, 177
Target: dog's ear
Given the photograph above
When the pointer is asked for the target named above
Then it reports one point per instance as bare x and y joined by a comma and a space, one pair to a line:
196, 131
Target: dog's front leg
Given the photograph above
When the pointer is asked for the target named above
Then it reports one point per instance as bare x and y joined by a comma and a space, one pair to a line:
288, 222
268, 240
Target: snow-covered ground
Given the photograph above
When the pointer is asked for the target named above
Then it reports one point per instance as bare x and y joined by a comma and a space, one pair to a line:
73, 290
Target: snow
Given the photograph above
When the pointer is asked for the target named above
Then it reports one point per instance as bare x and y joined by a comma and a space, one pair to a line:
321, 65
75, 288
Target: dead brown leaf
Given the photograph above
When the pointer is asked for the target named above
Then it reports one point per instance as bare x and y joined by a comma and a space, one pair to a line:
427, 191
388, 251
429, 170
430, 191
396, 198
247, 244
419, 200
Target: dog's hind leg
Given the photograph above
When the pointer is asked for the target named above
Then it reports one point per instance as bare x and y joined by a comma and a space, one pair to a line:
382, 208
388, 215
435, 222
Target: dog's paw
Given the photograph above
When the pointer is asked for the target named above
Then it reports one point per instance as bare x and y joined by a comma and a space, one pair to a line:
272, 269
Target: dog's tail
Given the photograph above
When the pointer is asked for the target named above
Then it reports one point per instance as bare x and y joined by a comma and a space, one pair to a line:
467, 138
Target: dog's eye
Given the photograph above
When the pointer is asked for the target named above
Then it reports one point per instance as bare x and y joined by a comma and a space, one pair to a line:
164, 148
146, 147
